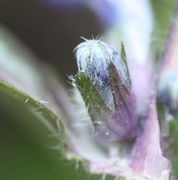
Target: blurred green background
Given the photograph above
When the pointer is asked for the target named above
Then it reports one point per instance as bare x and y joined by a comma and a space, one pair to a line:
26, 147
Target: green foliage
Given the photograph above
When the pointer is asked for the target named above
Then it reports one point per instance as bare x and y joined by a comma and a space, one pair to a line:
163, 11
31, 142
174, 144
38, 108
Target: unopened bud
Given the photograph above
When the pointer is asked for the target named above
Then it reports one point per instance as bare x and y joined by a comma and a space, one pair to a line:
109, 75
93, 58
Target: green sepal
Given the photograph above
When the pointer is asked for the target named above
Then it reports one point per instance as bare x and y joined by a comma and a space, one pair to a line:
97, 109
123, 53
124, 59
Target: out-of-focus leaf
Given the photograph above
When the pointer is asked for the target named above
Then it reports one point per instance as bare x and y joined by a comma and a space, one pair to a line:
174, 144
42, 113
24, 74
163, 12
32, 135
29, 148
20, 68
169, 137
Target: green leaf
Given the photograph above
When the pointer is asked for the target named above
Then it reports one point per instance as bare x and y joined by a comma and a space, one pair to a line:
46, 116
163, 11
171, 140
174, 137
29, 149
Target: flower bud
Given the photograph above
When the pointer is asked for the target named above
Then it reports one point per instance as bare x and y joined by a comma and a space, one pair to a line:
93, 58
109, 75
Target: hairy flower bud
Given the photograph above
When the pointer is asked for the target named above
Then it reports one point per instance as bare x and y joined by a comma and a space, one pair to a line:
93, 58
109, 75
